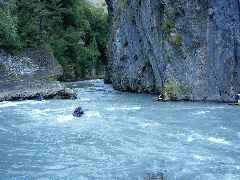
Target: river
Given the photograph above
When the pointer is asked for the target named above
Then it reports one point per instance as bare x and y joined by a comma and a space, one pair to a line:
122, 136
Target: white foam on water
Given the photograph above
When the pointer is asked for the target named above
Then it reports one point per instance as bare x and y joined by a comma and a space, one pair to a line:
135, 108
223, 128
131, 108
49, 111
16, 103
200, 112
45, 111
3, 129
146, 125
64, 118
190, 139
55, 167
194, 136
8, 104
85, 99
90, 114
37, 102
111, 109
31, 102
218, 140
215, 140
218, 107
200, 158
39, 112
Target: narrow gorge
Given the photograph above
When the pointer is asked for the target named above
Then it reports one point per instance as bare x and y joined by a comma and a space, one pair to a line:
59, 120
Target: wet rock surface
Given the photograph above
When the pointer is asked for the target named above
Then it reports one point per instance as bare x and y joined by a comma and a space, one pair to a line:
29, 75
187, 49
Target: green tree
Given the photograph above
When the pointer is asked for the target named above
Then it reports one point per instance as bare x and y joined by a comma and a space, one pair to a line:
9, 38
73, 30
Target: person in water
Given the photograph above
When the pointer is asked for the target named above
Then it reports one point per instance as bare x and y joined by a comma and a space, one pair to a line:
78, 112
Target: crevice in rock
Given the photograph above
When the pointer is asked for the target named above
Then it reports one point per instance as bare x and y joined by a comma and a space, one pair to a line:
158, 69
238, 4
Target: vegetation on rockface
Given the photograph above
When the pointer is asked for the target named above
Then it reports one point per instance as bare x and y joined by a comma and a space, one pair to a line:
170, 33
173, 89
74, 30
168, 25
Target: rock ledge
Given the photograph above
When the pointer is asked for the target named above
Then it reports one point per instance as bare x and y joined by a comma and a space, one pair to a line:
31, 74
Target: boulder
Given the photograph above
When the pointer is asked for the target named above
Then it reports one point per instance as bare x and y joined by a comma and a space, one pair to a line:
32, 74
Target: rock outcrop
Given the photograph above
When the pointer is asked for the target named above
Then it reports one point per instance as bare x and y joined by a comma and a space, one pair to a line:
32, 73
189, 50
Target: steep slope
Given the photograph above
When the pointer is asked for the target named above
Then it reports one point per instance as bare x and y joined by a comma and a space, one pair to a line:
184, 49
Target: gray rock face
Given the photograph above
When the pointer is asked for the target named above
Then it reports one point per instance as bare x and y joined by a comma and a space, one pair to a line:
25, 89
29, 74
29, 65
186, 49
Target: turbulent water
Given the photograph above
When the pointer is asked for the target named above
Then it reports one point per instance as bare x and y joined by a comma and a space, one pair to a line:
121, 136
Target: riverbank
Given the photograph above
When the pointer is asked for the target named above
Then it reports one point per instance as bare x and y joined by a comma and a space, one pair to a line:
23, 90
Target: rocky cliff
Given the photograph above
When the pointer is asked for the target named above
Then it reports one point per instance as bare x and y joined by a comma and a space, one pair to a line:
185, 49
30, 74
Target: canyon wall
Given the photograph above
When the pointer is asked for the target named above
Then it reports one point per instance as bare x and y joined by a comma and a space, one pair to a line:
187, 50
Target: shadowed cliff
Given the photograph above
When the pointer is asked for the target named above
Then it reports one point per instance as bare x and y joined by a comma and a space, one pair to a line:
184, 49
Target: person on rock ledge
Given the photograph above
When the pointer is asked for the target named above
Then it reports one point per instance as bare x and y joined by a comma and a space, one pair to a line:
238, 99
158, 98
162, 97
